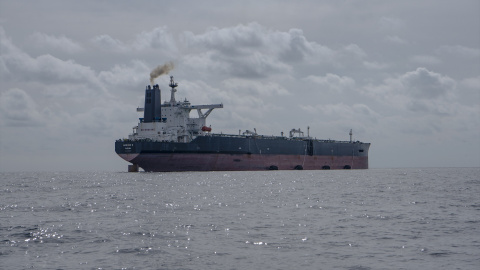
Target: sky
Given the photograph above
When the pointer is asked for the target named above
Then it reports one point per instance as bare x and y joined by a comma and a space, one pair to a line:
404, 75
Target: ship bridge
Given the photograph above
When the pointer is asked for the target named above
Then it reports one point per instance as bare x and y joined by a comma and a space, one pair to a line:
171, 120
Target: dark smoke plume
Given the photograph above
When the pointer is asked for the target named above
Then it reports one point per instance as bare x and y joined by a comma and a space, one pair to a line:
160, 70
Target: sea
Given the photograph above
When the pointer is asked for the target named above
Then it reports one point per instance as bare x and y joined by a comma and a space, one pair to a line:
401, 218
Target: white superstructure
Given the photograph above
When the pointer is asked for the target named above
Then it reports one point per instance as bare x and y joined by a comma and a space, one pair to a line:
174, 123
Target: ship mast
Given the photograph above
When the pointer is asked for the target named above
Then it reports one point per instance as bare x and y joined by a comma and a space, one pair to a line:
173, 85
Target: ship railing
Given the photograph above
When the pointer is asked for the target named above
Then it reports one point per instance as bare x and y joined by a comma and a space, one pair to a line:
279, 137
136, 140
243, 136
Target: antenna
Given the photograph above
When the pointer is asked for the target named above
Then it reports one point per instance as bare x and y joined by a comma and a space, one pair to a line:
351, 133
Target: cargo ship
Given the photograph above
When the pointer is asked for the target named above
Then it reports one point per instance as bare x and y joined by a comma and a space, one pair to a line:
167, 139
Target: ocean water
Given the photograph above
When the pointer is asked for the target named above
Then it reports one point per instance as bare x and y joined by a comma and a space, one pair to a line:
352, 219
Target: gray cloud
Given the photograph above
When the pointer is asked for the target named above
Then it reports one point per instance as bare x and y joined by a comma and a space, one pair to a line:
473, 83
158, 38
18, 109
330, 66
459, 50
130, 74
255, 51
425, 60
255, 88
332, 82
238, 40
59, 43
375, 65
391, 23
425, 84
44, 65
396, 39
107, 43
418, 84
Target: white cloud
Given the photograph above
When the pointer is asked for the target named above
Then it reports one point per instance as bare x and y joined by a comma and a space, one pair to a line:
60, 43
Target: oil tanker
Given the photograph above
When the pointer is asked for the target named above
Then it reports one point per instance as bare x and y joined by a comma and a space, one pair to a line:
167, 139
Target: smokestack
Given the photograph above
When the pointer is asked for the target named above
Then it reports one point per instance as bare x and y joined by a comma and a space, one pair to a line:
153, 108
160, 70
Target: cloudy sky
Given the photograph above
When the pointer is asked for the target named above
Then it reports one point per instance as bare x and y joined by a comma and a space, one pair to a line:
404, 75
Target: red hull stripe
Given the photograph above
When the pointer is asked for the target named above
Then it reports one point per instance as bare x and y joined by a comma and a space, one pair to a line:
230, 162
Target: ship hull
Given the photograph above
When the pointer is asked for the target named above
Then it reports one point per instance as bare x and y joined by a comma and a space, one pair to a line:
167, 162
237, 153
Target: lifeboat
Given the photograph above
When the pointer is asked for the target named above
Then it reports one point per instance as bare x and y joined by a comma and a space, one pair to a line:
205, 128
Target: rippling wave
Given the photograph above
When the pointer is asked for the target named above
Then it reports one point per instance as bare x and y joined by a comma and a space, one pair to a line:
368, 219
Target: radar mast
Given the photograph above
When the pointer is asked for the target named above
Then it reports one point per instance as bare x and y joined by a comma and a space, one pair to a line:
173, 84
